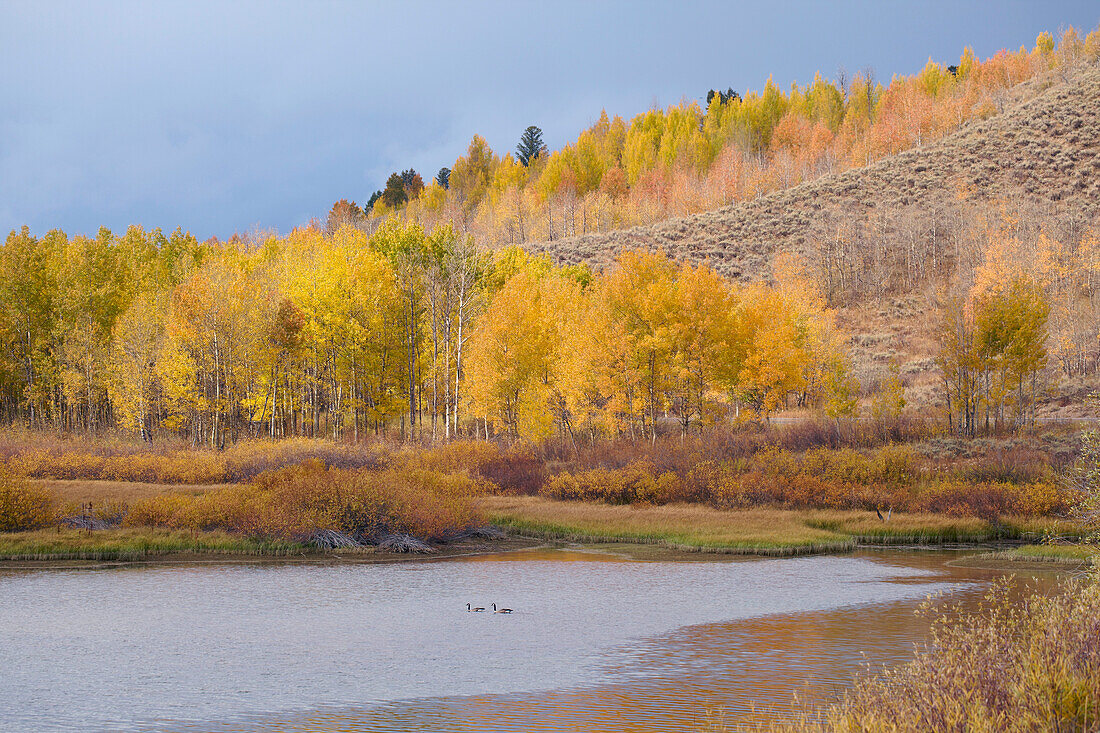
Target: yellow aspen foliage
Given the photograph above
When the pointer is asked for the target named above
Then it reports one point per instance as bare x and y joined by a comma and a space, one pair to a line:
513, 357
637, 299
136, 342
775, 366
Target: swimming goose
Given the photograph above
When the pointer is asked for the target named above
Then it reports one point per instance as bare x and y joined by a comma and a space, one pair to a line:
479, 609
501, 610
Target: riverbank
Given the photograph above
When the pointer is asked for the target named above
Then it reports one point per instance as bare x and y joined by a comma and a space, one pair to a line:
146, 545
675, 529
681, 528
756, 531
1036, 558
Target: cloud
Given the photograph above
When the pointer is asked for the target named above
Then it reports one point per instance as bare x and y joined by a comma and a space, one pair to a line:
220, 116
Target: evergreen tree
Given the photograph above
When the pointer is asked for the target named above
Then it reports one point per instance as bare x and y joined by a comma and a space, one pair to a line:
394, 195
724, 97
443, 178
530, 145
414, 184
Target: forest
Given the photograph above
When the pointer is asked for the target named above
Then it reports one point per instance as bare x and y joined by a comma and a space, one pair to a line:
422, 335
423, 317
696, 156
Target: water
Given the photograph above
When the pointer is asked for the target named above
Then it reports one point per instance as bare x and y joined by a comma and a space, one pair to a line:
596, 643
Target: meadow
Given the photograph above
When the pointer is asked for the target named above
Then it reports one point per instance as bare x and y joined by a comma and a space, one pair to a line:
767, 489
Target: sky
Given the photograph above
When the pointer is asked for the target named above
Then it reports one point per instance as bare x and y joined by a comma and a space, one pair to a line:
220, 117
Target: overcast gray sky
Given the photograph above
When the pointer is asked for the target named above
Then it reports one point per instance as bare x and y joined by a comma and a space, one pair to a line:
221, 116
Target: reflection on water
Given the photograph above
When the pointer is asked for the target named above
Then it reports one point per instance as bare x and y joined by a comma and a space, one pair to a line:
596, 644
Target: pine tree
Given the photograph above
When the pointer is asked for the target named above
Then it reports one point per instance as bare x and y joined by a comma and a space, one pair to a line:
530, 145
395, 193
443, 178
414, 184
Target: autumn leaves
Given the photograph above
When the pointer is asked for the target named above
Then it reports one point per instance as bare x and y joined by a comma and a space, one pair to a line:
423, 335
645, 342
689, 157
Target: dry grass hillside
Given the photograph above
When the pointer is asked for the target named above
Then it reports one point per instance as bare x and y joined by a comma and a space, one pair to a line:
1047, 147
1041, 153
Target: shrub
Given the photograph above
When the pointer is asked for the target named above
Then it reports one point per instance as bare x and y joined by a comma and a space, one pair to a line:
518, 471
637, 483
889, 477
39, 457
292, 502
459, 455
1084, 480
22, 505
1014, 464
1013, 666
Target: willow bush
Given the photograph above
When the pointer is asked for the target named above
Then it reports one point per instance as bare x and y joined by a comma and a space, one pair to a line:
1011, 666
23, 506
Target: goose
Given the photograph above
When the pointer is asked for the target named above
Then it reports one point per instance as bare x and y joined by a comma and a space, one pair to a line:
501, 610
479, 609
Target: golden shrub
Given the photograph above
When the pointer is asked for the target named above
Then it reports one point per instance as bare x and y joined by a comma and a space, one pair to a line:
289, 503
459, 455
24, 506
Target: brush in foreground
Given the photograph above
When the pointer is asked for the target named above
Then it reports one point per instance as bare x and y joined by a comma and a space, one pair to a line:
1012, 666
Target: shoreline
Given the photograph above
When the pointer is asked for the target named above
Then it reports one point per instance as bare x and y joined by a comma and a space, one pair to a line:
1036, 558
363, 556
639, 532
1006, 555
764, 531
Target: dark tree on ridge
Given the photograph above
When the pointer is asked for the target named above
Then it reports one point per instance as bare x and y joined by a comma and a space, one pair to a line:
414, 184
443, 178
530, 145
394, 195
724, 97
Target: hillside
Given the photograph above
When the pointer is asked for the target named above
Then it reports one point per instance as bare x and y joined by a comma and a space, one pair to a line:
1042, 155
1046, 148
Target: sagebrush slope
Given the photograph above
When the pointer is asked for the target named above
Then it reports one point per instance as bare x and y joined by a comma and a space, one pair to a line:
1046, 148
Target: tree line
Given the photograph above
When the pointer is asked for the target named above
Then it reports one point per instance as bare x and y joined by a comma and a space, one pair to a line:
430, 335
402, 331
691, 157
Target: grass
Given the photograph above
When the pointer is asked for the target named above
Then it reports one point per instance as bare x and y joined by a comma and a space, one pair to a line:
1058, 552
675, 525
1035, 555
77, 491
749, 531
928, 528
688, 527
153, 544
133, 543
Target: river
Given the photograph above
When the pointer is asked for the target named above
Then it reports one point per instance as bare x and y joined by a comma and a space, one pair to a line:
596, 642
